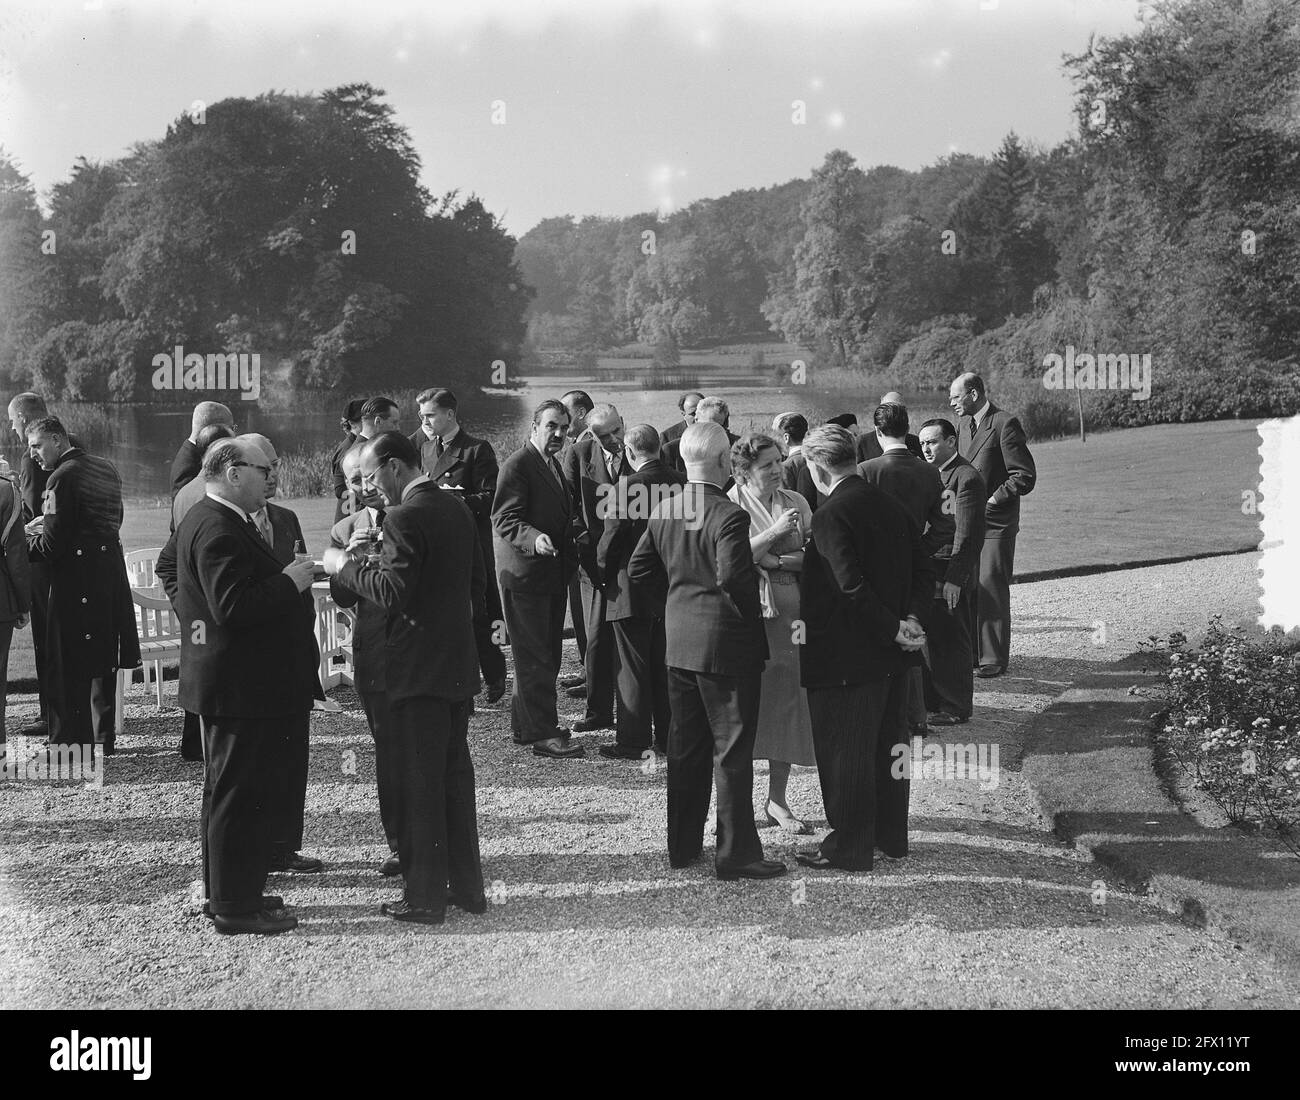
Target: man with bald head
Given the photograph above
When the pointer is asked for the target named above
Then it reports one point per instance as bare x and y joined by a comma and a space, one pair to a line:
687, 404
590, 464
871, 445
715, 652
249, 670
186, 464
710, 410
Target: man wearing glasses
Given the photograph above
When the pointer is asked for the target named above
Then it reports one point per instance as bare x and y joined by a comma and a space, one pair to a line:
249, 670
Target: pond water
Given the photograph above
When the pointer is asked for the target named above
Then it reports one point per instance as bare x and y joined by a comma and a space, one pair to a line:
142, 439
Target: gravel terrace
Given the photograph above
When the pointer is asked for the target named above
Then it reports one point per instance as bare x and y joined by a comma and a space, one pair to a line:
98, 887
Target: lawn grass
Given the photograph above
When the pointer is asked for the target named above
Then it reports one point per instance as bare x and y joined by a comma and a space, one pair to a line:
1143, 494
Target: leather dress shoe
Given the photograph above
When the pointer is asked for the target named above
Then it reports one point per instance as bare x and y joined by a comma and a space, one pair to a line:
579, 692
298, 863
987, 672
495, 690
476, 905
885, 857
195, 756
573, 681
819, 862
586, 725
391, 866
269, 901
557, 748
943, 718
261, 923
616, 751
401, 910
760, 868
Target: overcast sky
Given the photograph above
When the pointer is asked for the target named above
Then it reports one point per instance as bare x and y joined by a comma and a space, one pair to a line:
613, 107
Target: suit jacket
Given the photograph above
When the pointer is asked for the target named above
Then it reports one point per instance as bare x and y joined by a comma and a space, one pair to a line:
254, 655
671, 453
90, 625
531, 501
186, 497
796, 477
472, 464
32, 480
917, 486
619, 539
370, 634
430, 584
869, 446
713, 618
585, 471
337, 479
1000, 453
16, 586
863, 572
185, 466
286, 531
671, 433
966, 493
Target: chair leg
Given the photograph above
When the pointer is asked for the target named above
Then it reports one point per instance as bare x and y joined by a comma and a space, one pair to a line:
158, 682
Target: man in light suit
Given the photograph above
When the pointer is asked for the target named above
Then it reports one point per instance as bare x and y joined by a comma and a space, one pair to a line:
369, 637
994, 443
716, 649
430, 584
249, 669
687, 404
467, 466
864, 588
532, 521
949, 686
589, 465
636, 612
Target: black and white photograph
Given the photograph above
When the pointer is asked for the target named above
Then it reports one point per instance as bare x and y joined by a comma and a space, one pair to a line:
651, 506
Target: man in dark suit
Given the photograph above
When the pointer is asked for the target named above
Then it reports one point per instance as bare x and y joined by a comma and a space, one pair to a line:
949, 686
369, 638
467, 466
589, 465
870, 445
790, 429
430, 583
994, 443
635, 613
532, 521
579, 404
249, 669
686, 404
89, 624
350, 422
710, 410
716, 649
865, 586
26, 409
185, 466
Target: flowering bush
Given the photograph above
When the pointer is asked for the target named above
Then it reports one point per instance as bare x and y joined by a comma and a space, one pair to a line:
1233, 723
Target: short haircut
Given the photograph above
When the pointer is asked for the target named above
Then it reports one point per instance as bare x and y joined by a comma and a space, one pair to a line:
579, 398
353, 452
28, 406
747, 449
971, 381
944, 425
549, 404
210, 412
378, 406
702, 442
392, 444
891, 420
352, 412
681, 401
209, 435
220, 457
711, 405
831, 447
795, 425
444, 399
642, 440
603, 412
843, 420
47, 425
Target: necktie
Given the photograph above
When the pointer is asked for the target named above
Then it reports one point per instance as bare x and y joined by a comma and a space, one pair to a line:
555, 470
263, 523
438, 446
379, 517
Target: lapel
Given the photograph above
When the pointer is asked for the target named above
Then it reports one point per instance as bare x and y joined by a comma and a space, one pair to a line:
983, 433
545, 470
451, 454
246, 529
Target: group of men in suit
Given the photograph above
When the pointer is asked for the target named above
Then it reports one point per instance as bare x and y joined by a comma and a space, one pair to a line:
74, 590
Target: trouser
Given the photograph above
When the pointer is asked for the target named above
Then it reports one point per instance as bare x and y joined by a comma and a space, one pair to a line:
599, 658
949, 683
379, 719
711, 742
191, 735
491, 661
643, 710
576, 616
991, 634
40, 600
914, 687
289, 761
6, 640
535, 623
857, 731
438, 843
240, 794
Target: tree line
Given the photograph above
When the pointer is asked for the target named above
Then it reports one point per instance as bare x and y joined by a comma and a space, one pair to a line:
1168, 225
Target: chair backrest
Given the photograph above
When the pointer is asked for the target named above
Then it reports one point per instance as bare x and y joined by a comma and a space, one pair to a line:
140, 567
154, 618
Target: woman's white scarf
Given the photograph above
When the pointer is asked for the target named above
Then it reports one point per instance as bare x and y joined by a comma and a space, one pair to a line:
760, 519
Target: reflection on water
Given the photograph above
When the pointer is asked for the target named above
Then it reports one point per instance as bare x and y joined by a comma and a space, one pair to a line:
142, 439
